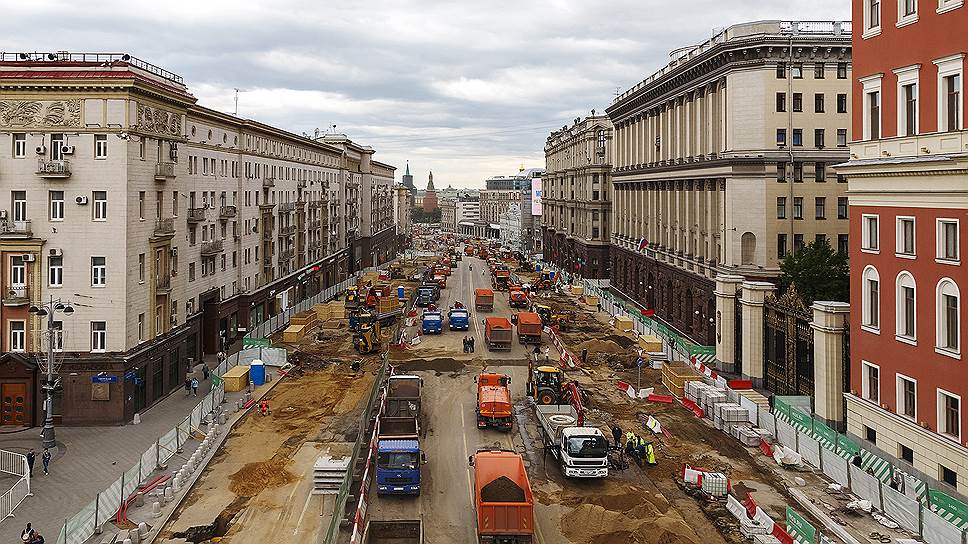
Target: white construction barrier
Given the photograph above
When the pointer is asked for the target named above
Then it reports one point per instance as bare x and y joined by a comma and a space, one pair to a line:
905, 511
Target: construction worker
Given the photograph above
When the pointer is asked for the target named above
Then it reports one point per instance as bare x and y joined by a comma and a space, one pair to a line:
650, 454
617, 435
264, 407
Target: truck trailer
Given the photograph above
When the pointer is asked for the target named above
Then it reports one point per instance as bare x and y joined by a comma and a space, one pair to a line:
503, 498
581, 451
529, 328
403, 396
497, 333
483, 300
494, 401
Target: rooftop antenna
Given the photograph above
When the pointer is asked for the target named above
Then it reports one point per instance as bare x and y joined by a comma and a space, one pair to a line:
236, 103
618, 91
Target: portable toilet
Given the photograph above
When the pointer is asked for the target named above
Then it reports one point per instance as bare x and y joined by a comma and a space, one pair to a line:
401, 293
257, 372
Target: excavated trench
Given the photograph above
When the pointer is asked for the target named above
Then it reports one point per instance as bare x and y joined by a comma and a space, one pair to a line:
219, 527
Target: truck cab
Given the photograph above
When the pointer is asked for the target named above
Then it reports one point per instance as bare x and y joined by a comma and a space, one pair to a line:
581, 451
398, 457
427, 294
459, 319
432, 322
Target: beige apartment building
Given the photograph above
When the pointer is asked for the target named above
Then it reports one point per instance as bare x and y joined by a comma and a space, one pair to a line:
169, 227
493, 203
448, 214
577, 197
722, 164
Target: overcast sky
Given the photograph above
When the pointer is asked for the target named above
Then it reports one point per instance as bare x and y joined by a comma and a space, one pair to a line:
467, 89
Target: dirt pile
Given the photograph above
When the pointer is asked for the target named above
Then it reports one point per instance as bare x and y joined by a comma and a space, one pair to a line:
254, 477
502, 490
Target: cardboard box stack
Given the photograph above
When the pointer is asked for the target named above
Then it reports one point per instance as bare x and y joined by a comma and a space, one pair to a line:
294, 333
623, 324
577, 290
591, 300
236, 379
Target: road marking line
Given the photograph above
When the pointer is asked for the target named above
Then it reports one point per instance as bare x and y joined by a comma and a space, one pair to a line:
303, 514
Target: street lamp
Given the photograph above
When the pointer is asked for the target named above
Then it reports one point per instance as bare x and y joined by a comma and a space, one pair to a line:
50, 365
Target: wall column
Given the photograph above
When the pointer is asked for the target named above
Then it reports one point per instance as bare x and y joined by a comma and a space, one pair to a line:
754, 294
727, 286
830, 320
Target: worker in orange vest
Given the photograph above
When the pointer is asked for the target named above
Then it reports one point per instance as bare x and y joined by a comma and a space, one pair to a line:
264, 407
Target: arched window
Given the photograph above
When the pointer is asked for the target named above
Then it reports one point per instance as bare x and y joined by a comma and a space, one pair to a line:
748, 252
948, 322
906, 312
872, 298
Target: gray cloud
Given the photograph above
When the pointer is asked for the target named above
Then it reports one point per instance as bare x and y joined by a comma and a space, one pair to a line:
467, 89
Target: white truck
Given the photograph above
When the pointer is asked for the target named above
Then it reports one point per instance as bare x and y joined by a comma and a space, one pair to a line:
581, 451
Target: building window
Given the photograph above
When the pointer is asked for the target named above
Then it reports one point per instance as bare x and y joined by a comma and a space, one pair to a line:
55, 271
907, 397
781, 70
949, 414
872, 298
100, 146
871, 382
820, 204
842, 103
781, 168
56, 205
841, 70
948, 249
798, 137
780, 102
141, 205
905, 236
818, 139
948, 5
191, 271
797, 71
872, 18
797, 102
100, 205
907, 12
909, 113
798, 172
781, 137
797, 243
781, 246
19, 205
18, 271
56, 147
98, 271
18, 336
843, 243
948, 318
871, 234
841, 207
99, 331
798, 207
818, 103
841, 137
818, 72
820, 238
141, 327
948, 476
19, 145
873, 125
141, 268
781, 207
870, 434
905, 311
820, 172
905, 453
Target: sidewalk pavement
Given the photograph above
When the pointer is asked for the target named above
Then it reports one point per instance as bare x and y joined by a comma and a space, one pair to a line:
89, 459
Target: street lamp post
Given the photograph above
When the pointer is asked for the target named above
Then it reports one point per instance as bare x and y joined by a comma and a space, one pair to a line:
51, 383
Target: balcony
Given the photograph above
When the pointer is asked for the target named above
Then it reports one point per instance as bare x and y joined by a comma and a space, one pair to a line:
287, 206
287, 231
316, 204
164, 227
268, 182
196, 215
164, 171
213, 247
301, 204
163, 284
286, 255
267, 206
16, 295
227, 212
53, 169
15, 229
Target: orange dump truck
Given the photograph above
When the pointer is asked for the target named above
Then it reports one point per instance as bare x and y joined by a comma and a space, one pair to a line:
517, 298
483, 300
529, 328
503, 499
494, 401
497, 333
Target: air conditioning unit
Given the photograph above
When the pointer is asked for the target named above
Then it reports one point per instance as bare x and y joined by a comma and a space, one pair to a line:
81, 200
41, 150
55, 252
67, 149
28, 257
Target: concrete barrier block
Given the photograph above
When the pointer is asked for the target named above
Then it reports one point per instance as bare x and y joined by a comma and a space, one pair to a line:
139, 499
156, 509
143, 529
169, 495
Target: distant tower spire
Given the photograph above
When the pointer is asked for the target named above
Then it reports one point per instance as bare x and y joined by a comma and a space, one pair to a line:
430, 182
408, 169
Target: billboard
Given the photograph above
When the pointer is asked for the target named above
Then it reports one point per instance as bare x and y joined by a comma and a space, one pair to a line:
536, 196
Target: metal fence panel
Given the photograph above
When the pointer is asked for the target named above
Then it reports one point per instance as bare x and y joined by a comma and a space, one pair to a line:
835, 467
766, 420
13, 463
184, 432
902, 509
80, 527
786, 434
149, 462
132, 478
809, 448
196, 417
167, 445
865, 486
938, 531
108, 502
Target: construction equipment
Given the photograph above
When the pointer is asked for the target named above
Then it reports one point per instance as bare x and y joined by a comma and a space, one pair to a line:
494, 401
581, 451
432, 322
544, 384
501, 279
396, 271
458, 318
529, 328
545, 281
366, 339
552, 318
483, 300
351, 297
502, 498
398, 456
497, 333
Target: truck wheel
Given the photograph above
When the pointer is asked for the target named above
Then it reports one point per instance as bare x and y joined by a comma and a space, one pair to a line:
546, 397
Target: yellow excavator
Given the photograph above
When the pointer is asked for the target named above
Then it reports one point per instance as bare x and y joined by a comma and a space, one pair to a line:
551, 318
366, 339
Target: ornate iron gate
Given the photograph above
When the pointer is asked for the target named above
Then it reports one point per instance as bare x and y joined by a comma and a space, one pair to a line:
738, 340
788, 344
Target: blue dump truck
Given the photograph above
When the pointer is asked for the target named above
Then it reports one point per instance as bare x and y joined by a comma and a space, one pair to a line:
432, 322
459, 319
427, 294
398, 457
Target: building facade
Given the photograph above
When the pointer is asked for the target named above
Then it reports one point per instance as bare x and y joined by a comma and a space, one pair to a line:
168, 226
576, 197
722, 163
908, 179
510, 228
494, 203
401, 213
448, 214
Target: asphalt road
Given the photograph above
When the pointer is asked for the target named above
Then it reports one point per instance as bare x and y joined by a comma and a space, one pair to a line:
446, 503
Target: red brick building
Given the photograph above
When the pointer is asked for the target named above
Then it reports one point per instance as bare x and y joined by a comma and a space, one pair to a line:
908, 195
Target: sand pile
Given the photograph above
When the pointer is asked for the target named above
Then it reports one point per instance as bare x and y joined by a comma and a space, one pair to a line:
628, 515
254, 477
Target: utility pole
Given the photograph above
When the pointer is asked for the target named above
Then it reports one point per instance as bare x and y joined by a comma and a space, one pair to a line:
52, 378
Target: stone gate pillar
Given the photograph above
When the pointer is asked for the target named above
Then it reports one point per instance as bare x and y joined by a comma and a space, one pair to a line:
726, 287
830, 321
754, 293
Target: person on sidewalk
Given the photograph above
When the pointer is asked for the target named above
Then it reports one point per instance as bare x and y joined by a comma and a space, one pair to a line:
188, 386
31, 456
195, 386
471, 340
205, 371
45, 458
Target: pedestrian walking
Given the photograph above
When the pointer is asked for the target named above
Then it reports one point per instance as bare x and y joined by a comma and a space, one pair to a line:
472, 344
195, 386
30, 464
188, 386
617, 435
45, 458
28, 533
205, 372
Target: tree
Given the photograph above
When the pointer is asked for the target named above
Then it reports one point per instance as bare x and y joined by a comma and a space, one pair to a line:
818, 272
420, 216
